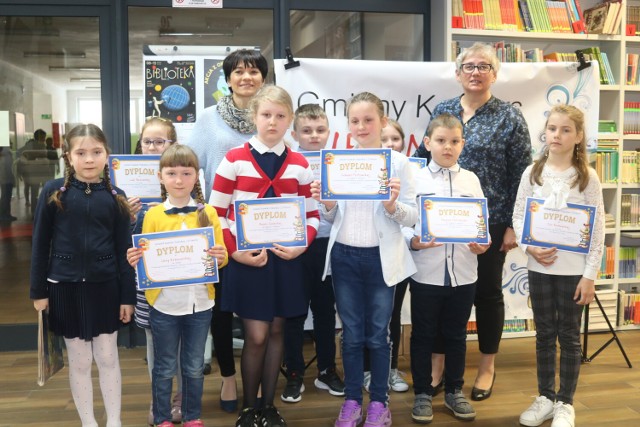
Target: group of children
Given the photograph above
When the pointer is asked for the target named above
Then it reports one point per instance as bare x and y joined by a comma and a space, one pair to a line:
82, 268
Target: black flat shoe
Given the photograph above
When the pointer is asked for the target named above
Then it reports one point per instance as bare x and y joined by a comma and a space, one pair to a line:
478, 394
439, 387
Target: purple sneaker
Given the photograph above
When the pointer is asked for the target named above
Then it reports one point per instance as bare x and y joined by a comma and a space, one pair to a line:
350, 414
378, 415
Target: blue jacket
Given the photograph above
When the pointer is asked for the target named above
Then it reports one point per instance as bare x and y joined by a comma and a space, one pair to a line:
85, 242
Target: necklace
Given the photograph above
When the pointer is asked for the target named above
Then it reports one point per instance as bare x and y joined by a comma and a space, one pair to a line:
87, 190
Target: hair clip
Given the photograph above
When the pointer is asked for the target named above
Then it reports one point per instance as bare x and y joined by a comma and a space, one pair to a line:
200, 206
114, 192
63, 189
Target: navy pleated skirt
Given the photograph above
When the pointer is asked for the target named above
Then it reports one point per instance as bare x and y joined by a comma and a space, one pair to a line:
275, 290
84, 310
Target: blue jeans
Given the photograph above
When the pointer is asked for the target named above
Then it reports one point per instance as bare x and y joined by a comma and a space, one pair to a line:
364, 303
189, 332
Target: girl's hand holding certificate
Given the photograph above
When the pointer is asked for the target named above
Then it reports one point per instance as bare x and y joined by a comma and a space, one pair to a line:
251, 258
287, 253
475, 248
316, 189
544, 256
394, 188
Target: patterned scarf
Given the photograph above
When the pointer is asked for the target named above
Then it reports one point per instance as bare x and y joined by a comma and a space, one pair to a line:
234, 117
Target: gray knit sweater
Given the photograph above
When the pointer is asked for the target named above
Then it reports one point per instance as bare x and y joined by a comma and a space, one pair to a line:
211, 138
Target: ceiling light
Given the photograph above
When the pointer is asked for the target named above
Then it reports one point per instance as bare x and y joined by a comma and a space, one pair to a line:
57, 54
84, 79
52, 68
171, 33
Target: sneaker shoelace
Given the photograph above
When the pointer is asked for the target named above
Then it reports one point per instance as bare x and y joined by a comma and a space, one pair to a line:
375, 411
562, 410
396, 377
349, 408
537, 404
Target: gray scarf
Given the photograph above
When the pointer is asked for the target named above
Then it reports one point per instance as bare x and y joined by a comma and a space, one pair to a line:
234, 117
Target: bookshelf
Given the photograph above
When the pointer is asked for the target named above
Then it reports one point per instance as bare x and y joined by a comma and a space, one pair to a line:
444, 38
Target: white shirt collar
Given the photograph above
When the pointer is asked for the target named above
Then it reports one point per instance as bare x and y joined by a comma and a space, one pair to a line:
435, 167
257, 145
168, 205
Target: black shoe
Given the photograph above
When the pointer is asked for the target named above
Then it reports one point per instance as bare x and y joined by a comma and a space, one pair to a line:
330, 381
270, 417
439, 387
248, 418
478, 394
207, 369
293, 390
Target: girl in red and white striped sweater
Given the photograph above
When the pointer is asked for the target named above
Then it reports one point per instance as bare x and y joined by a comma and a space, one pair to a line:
263, 287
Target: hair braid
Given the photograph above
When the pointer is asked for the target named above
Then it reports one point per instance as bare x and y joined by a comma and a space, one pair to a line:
122, 201
203, 218
68, 173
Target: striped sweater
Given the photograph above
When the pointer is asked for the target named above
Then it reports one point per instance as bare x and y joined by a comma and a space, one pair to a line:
240, 178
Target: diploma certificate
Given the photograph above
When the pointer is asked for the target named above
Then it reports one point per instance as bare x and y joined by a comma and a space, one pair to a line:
420, 162
136, 175
176, 258
569, 229
313, 157
454, 219
361, 174
262, 222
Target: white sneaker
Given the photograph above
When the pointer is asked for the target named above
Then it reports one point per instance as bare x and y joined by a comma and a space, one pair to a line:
367, 380
563, 415
541, 409
396, 382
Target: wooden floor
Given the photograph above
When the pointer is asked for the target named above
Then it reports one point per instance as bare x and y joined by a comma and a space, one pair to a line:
608, 393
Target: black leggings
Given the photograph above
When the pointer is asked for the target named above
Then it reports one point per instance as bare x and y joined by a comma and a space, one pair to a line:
221, 330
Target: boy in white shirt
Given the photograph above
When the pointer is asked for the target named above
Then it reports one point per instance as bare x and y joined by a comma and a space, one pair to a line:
311, 131
443, 289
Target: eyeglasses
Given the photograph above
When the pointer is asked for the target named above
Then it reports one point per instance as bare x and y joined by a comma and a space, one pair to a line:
158, 143
482, 68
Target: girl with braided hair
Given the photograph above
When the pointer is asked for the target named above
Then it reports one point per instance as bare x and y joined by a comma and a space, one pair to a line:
180, 316
79, 270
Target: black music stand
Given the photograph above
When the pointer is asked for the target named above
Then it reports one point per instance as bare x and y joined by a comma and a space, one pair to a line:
585, 358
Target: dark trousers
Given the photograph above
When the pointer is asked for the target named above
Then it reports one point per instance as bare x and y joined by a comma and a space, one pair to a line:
394, 326
442, 310
221, 331
319, 294
557, 317
5, 200
489, 300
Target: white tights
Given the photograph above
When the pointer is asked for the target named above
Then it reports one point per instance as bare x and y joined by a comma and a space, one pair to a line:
81, 353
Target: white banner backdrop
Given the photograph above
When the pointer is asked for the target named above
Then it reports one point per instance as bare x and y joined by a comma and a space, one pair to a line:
411, 90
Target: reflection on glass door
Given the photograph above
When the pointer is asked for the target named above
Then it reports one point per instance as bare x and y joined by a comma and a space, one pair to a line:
49, 67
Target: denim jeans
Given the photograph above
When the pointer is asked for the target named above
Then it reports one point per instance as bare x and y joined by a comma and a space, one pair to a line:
189, 333
364, 303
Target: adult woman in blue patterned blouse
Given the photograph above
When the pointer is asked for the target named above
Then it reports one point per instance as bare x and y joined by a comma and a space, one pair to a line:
497, 149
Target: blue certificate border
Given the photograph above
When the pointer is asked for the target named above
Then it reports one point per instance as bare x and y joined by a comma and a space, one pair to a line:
123, 158
327, 194
145, 283
425, 233
583, 246
312, 155
301, 233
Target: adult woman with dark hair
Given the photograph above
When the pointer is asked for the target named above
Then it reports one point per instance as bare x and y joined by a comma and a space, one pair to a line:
498, 150
220, 128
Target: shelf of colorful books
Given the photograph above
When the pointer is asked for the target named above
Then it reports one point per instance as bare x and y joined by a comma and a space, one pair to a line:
533, 35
